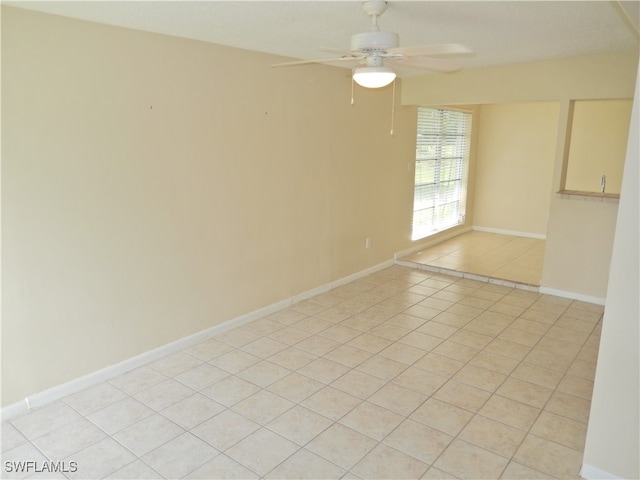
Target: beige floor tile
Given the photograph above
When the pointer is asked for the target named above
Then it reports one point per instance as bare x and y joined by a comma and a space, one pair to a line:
538, 375
201, 376
262, 451
421, 341
295, 387
494, 362
402, 353
292, 358
137, 469
286, 317
462, 395
569, 406
479, 377
237, 337
180, 456
230, 391
148, 434
515, 471
69, 439
342, 445
370, 343
493, 436
43, 420
208, 350
437, 329
547, 359
442, 416
562, 430
549, 457
579, 368
510, 412
340, 333
409, 358
235, 361
225, 429
175, 364
397, 399
192, 411
508, 348
331, 403
515, 335
382, 367
372, 420
22, 453
10, 437
385, 462
289, 335
419, 380
358, 384
300, 425
120, 415
457, 351
221, 468
418, 440
348, 356
525, 392
469, 461
263, 347
580, 387
323, 370
305, 465
437, 474
263, 373
262, 407
164, 394
95, 398
317, 345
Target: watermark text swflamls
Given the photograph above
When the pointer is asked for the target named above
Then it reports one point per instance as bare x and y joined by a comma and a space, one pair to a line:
32, 466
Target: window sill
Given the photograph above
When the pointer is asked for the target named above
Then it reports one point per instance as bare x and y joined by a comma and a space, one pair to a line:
589, 196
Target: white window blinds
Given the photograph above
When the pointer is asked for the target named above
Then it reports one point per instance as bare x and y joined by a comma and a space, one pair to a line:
442, 159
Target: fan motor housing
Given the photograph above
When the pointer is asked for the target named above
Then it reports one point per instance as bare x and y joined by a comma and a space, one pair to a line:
374, 41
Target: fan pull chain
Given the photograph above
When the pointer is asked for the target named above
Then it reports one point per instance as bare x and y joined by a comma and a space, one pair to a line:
393, 106
352, 87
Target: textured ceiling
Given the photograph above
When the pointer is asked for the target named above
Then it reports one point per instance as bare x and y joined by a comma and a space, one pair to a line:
498, 32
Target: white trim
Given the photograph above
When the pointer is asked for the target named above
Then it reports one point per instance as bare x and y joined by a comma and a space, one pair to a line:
513, 233
573, 295
593, 473
52, 394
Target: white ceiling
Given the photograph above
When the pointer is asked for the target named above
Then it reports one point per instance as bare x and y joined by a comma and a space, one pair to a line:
498, 32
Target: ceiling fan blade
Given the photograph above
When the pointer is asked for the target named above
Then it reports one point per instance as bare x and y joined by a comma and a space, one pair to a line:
348, 57
432, 50
436, 64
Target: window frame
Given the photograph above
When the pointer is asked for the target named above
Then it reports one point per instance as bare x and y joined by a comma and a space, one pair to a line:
424, 228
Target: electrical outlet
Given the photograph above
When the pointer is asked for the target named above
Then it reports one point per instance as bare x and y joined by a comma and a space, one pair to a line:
367, 242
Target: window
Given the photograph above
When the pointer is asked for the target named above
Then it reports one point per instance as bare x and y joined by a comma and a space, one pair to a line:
442, 159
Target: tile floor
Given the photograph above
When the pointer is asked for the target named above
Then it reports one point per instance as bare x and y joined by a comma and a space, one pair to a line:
401, 374
492, 255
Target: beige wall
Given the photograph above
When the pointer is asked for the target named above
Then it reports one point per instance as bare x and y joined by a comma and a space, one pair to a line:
516, 146
154, 187
598, 144
579, 234
613, 436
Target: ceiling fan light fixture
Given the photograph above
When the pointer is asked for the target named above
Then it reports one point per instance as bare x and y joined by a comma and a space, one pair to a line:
373, 77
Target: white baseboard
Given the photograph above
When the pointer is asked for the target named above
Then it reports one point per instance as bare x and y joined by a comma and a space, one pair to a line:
593, 473
50, 395
513, 233
572, 295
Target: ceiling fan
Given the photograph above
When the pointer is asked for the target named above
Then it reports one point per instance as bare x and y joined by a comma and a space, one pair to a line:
375, 47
